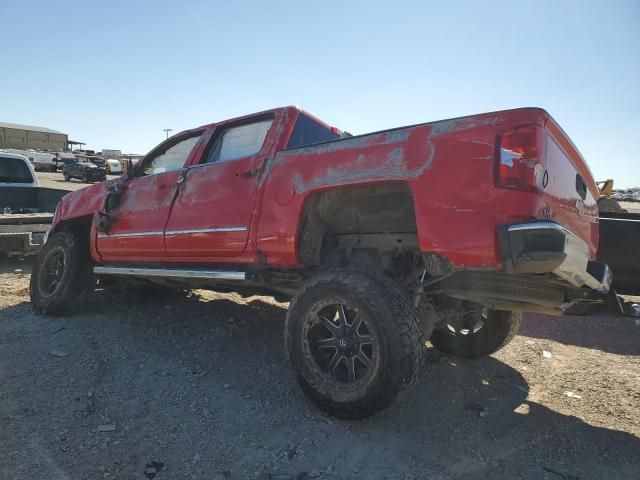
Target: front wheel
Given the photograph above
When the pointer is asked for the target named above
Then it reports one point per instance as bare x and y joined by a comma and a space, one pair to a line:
61, 275
354, 341
477, 333
67, 177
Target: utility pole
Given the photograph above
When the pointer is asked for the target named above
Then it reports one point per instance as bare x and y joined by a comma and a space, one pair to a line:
167, 130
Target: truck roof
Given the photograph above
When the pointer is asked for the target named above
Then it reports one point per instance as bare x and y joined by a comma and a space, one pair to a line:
267, 112
541, 111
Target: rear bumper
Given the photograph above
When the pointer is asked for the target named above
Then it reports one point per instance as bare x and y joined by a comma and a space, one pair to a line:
548, 247
21, 243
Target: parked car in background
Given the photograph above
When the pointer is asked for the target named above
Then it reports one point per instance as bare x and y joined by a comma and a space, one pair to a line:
16, 171
26, 209
113, 166
87, 172
42, 161
15, 151
99, 161
64, 158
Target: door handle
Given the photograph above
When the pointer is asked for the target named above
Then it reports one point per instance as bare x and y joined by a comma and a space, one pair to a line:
250, 173
180, 180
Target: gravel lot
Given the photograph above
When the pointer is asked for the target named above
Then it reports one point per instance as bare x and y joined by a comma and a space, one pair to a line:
200, 386
56, 180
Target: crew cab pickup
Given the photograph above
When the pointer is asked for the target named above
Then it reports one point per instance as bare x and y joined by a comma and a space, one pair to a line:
26, 208
444, 231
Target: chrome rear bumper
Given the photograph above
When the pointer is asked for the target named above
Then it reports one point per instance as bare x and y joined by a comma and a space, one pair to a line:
548, 247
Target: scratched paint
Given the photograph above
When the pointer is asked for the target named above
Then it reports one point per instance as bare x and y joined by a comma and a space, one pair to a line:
81, 203
448, 166
392, 169
459, 124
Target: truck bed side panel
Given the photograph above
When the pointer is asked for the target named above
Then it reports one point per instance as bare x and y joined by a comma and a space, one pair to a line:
448, 165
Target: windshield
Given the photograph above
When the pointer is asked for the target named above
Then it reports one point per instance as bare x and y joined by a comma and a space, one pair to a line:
14, 170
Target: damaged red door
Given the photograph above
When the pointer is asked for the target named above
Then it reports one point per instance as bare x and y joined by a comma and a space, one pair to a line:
214, 205
144, 206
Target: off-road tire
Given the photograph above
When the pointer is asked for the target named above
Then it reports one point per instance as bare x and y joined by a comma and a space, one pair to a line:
497, 332
75, 282
399, 342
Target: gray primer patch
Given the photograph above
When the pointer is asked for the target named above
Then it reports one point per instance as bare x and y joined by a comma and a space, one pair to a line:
392, 169
456, 124
398, 136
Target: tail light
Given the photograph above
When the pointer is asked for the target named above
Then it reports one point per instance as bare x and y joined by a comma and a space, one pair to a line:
519, 163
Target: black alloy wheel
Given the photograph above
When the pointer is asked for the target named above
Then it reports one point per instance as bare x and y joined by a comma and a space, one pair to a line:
468, 323
53, 270
354, 341
476, 332
62, 274
341, 342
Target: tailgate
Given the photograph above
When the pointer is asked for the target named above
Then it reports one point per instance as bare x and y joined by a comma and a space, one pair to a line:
25, 218
23, 234
569, 191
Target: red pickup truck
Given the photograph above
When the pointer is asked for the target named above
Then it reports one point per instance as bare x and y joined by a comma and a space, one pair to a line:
443, 231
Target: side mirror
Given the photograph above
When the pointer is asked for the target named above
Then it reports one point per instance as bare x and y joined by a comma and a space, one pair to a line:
129, 169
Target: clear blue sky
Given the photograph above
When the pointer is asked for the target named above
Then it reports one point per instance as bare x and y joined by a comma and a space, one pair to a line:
115, 73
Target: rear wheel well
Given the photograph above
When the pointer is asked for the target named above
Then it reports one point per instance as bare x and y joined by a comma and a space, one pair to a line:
354, 224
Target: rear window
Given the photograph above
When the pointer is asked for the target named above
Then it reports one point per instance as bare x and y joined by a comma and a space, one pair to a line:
308, 132
239, 141
14, 170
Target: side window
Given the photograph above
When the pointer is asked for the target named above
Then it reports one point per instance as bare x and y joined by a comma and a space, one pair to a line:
239, 142
171, 159
307, 132
14, 170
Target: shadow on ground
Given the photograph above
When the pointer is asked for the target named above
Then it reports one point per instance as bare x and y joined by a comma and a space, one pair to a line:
203, 387
15, 264
609, 333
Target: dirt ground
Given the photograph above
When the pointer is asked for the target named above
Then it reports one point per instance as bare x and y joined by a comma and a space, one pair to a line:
56, 180
200, 386
631, 207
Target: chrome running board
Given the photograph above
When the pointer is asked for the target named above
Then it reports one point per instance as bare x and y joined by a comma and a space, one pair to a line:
170, 273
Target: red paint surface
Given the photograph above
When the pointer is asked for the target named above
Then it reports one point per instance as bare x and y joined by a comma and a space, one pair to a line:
144, 207
449, 166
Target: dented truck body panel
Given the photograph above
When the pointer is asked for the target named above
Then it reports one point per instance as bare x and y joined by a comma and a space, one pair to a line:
250, 211
449, 166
